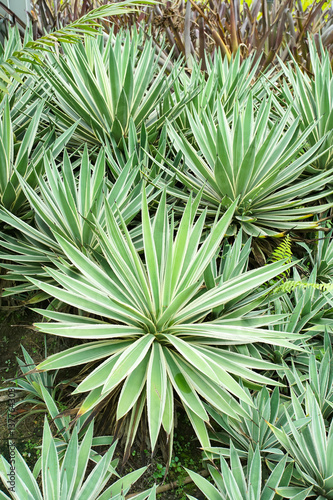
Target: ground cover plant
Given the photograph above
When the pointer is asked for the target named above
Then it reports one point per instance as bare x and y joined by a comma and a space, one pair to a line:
165, 208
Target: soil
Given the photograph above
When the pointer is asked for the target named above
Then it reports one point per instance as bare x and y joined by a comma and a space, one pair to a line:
187, 454
17, 330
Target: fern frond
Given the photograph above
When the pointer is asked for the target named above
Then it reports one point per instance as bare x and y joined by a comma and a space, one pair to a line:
283, 251
290, 285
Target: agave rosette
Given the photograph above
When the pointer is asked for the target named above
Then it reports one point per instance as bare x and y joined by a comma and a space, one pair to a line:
67, 477
258, 161
311, 98
150, 322
23, 154
310, 447
231, 482
106, 85
71, 197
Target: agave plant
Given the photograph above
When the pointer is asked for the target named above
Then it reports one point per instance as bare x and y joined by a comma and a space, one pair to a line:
70, 199
306, 310
319, 378
310, 447
31, 385
321, 256
312, 100
251, 431
224, 81
152, 322
232, 483
106, 86
20, 155
66, 478
39, 391
254, 160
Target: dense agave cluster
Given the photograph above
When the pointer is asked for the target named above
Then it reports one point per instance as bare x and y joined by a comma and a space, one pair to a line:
173, 219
